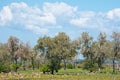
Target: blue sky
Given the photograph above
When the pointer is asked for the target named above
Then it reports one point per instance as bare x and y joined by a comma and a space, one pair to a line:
30, 19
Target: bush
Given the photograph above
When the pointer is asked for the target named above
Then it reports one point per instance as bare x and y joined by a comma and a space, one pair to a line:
4, 67
13, 66
45, 68
89, 65
79, 65
69, 66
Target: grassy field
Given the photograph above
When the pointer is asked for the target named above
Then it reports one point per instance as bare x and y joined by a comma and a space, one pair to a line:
69, 74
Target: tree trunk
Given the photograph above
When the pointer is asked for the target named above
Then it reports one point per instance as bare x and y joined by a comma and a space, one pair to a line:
24, 67
74, 65
99, 64
64, 64
16, 67
52, 71
38, 65
114, 65
32, 61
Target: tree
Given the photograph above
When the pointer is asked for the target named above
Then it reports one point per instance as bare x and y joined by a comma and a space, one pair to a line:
86, 46
4, 54
4, 58
13, 46
32, 56
64, 47
76, 44
74, 49
101, 49
88, 49
116, 47
40, 59
53, 50
24, 51
51, 54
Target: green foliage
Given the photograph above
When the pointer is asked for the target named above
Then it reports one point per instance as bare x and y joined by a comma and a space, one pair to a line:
80, 65
69, 66
90, 65
4, 67
54, 64
45, 68
13, 66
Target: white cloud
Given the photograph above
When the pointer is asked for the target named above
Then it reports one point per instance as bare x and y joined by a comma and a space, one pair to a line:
57, 15
59, 9
79, 22
84, 20
113, 14
102, 21
5, 15
24, 15
37, 29
86, 14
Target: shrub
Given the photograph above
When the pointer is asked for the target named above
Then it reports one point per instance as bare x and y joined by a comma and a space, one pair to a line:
79, 65
4, 67
13, 66
69, 66
89, 65
45, 68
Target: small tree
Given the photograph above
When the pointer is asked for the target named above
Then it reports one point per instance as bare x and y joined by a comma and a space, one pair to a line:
69, 66
89, 65
45, 68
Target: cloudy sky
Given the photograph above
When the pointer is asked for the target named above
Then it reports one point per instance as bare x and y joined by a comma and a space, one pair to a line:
30, 19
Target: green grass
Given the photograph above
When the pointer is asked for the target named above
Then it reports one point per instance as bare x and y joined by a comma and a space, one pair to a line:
60, 77
28, 71
68, 74
70, 71
61, 71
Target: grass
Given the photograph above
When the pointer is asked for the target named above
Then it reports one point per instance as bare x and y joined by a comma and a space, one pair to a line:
69, 74
29, 71
71, 71
60, 77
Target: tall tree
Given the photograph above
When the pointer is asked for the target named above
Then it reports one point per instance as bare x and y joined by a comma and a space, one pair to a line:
24, 52
116, 47
4, 54
55, 49
13, 46
101, 49
64, 47
86, 46
4, 58
32, 56
46, 47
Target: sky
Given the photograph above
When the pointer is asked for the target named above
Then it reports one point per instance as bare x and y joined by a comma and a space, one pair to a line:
30, 19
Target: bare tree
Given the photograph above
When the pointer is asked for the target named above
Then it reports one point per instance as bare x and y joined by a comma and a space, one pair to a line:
13, 46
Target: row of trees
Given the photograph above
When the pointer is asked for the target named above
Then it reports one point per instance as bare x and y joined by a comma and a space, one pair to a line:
15, 53
100, 50
50, 52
